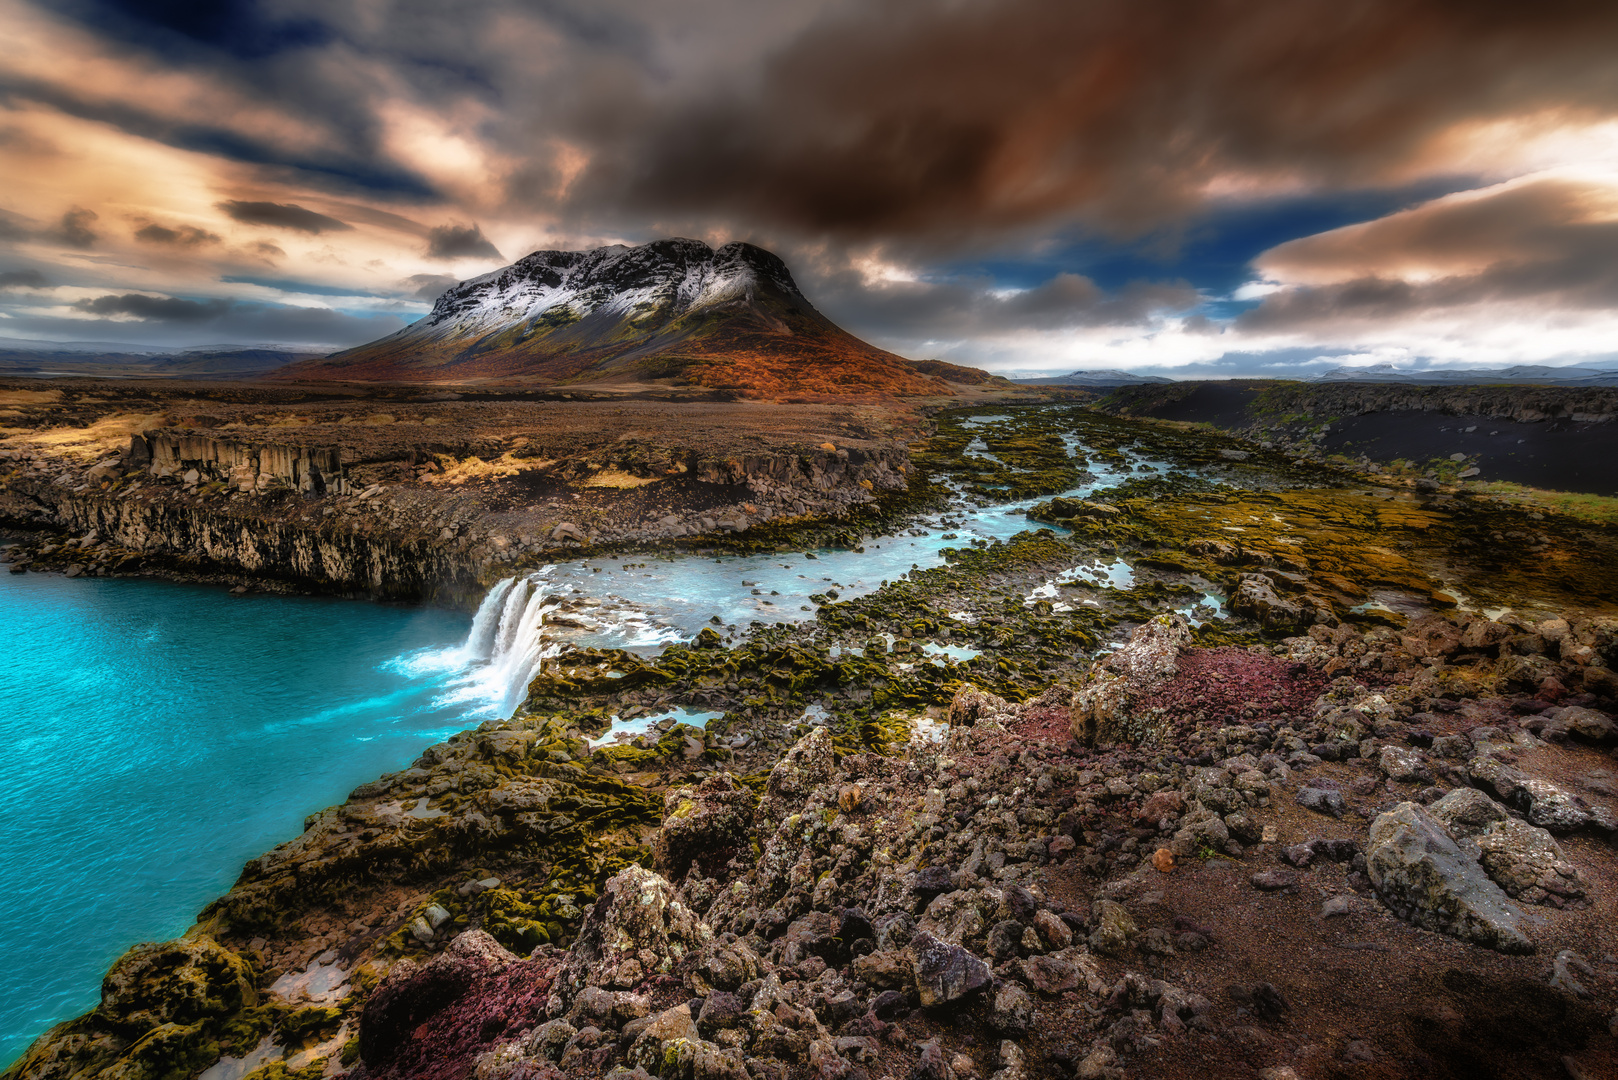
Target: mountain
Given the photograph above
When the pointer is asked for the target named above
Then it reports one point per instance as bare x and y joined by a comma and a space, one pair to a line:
1105, 377
672, 309
1522, 373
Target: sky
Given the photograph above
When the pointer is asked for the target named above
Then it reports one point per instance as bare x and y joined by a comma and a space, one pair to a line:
1224, 187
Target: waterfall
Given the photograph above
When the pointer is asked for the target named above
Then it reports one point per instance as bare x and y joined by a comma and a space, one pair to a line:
506, 645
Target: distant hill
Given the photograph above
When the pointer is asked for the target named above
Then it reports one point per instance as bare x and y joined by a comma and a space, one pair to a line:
1104, 377
118, 360
1535, 374
669, 310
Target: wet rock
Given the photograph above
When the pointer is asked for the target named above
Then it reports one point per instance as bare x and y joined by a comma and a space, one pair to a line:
1101, 711
1424, 877
945, 973
705, 823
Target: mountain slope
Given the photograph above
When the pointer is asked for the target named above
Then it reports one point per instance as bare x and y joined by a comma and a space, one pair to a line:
672, 309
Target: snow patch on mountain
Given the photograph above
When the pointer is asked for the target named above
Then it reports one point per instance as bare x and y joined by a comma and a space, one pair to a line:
659, 281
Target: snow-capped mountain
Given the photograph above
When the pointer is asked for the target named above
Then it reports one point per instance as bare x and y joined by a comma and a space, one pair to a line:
671, 309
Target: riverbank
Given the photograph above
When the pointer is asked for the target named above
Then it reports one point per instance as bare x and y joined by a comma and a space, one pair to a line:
1112, 791
413, 495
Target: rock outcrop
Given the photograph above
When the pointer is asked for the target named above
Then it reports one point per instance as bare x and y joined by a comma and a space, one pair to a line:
1426, 878
1103, 704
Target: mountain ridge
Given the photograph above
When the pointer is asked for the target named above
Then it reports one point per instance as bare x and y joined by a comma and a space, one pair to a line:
729, 318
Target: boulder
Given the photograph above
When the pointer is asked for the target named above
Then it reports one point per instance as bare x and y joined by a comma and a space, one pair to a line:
1425, 877
1102, 705
178, 982
1546, 804
945, 973
637, 929
971, 705
1467, 812
412, 993
569, 531
1114, 929
810, 763
1528, 863
1256, 596
705, 823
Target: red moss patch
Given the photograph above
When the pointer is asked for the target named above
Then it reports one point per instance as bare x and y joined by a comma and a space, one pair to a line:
1229, 684
496, 1007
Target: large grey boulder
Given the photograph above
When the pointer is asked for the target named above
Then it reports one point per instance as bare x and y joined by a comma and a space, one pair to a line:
1426, 878
1525, 860
944, 972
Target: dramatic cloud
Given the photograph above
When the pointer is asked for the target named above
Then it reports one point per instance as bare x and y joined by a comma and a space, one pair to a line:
282, 216
914, 311
154, 308
23, 279
1045, 181
183, 236
1547, 242
74, 230
429, 287
458, 242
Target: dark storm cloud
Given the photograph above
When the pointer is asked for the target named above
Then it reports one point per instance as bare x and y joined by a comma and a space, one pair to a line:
181, 236
460, 242
242, 322
23, 279
429, 286
74, 229
155, 308
1548, 242
910, 118
282, 216
962, 309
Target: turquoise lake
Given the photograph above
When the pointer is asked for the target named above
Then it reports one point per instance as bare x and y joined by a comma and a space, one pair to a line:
161, 735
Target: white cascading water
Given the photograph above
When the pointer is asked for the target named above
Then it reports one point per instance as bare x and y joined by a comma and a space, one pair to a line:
506, 646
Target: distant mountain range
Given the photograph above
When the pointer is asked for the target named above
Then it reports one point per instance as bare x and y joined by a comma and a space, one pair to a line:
669, 310
90, 359
1101, 378
1538, 374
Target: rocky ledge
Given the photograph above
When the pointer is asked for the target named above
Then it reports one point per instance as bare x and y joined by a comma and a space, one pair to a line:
415, 500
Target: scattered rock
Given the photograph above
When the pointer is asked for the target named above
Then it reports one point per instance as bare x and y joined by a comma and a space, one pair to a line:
1424, 876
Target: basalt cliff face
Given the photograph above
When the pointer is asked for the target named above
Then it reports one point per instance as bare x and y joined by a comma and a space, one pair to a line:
424, 500
730, 318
